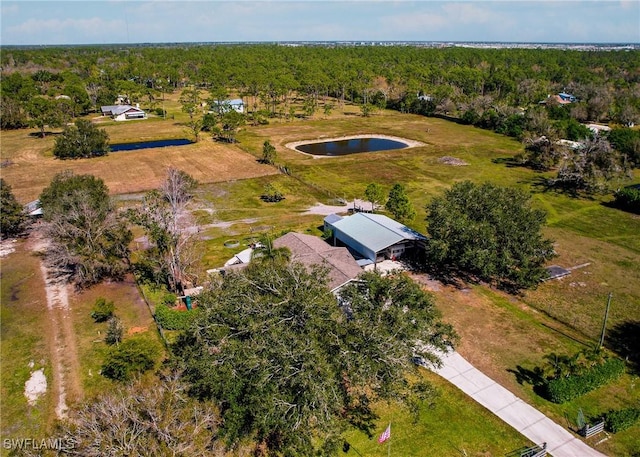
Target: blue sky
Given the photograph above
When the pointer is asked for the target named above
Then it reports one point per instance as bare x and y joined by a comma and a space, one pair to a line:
137, 21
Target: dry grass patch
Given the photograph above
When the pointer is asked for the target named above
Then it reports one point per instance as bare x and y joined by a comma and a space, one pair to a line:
127, 172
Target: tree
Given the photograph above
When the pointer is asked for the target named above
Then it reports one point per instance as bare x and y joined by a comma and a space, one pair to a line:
268, 153
44, 112
398, 204
12, 217
89, 241
115, 329
592, 168
192, 104
165, 219
289, 369
137, 421
627, 142
374, 194
228, 126
81, 140
489, 233
542, 153
266, 252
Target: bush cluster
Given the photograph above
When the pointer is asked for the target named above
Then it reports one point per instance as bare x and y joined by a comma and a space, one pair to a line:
621, 419
563, 389
131, 357
102, 310
173, 319
628, 199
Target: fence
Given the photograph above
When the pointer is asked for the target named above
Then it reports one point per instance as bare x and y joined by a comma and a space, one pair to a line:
533, 451
589, 430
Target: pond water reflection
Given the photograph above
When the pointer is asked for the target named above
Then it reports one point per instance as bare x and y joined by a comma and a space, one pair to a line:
350, 146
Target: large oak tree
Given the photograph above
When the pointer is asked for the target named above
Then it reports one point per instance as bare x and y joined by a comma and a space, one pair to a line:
89, 241
488, 232
290, 369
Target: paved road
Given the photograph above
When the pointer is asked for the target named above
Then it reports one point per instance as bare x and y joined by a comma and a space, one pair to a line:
526, 419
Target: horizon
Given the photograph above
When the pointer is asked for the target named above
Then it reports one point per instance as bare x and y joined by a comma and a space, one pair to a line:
129, 22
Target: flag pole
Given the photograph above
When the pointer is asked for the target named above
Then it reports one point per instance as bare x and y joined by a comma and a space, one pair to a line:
389, 440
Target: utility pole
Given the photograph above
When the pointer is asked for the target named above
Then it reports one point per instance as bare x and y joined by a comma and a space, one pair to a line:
604, 324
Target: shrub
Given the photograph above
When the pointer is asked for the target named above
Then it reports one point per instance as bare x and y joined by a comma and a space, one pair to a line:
102, 310
173, 319
628, 199
561, 390
169, 299
114, 331
622, 419
132, 357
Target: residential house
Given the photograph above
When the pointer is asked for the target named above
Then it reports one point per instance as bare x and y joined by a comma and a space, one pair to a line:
123, 112
311, 250
225, 106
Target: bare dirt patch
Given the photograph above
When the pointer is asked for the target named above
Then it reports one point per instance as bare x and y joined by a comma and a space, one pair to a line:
35, 387
448, 160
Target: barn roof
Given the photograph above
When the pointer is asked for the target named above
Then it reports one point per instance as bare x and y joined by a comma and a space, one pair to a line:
376, 231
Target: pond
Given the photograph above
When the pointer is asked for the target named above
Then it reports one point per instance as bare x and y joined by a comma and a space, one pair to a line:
148, 144
350, 146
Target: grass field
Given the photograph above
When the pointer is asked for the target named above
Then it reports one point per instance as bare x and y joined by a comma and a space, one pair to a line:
499, 332
23, 341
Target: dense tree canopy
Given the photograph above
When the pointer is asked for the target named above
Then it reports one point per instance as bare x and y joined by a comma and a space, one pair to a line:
289, 369
12, 217
81, 140
89, 242
488, 232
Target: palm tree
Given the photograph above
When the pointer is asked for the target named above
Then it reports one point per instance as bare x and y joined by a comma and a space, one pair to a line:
266, 252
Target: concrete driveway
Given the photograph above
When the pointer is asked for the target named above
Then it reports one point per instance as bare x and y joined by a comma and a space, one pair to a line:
526, 419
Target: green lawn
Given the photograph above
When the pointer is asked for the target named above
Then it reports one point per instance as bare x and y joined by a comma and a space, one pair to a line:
453, 425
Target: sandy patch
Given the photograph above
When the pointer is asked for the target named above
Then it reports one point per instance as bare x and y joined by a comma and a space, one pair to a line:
324, 210
7, 247
134, 330
35, 387
295, 144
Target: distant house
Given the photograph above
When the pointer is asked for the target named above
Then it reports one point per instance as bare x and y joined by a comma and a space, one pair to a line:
373, 236
562, 99
123, 112
225, 106
311, 250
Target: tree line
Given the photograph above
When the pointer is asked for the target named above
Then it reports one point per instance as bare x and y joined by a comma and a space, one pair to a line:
268, 77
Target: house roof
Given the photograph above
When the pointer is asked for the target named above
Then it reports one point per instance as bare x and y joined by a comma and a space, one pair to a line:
234, 101
376, 231
116, 110
311, 250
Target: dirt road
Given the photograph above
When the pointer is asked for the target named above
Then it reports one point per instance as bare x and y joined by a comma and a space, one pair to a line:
61, 338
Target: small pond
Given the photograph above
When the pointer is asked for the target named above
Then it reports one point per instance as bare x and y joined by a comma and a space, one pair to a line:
350, 146
148, 144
